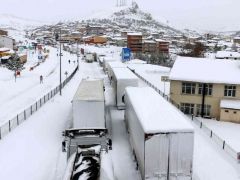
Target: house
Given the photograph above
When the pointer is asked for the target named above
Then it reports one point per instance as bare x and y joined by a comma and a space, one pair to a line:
206, 87
95, 40
3, 33
236, 40
228, 55
149, 46
7, 42
94, 30
134, 42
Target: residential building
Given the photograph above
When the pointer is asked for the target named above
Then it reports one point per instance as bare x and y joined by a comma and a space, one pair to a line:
149, 46
7, 42
228, 55
134, 42
95, 40
3, 33
236, 40
94, 30
206, 87
162, 46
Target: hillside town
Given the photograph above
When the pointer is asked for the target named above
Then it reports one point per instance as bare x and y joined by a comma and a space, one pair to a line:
118, 97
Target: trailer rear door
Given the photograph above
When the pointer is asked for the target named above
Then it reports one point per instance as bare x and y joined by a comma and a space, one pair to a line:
181, 151
156, 157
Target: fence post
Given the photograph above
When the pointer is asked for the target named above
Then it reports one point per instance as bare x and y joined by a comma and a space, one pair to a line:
9, 125
201, 125
223, 144
40, 102
211, 134
44, 99
31, 110
25, 117
192, 117
17, 120
36, 106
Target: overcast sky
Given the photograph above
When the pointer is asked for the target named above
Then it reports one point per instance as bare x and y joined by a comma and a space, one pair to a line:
197, 14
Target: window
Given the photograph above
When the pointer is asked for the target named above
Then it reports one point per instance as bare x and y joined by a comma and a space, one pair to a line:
235, 112
188, 88
226, 111
207, 110
187, 108
208, 89
230, 90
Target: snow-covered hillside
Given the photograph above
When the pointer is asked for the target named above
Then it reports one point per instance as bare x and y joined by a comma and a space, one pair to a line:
133, 18
11, 22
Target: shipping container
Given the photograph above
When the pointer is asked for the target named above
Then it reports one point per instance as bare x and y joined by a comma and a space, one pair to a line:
114, 64
160, 136
88, 105
122, 78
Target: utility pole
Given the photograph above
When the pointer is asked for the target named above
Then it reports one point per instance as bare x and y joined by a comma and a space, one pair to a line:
78, 54
60, 62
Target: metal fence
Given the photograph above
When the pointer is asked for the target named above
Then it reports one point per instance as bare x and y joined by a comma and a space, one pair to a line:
219, 141
26, 113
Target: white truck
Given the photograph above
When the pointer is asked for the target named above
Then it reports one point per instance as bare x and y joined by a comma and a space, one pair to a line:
161, 137
107, 59
89, 57
88, 110
114, 64
122, 78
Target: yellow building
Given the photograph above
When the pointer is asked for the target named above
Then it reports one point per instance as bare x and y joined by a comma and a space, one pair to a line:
207, 88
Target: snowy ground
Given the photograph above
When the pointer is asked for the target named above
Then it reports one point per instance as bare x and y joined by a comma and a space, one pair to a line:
230, 132
33, 150
16, 96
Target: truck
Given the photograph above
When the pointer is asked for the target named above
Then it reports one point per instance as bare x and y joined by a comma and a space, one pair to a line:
122, 78
160, 136
107, 59
114, 64
88, 117
89, 57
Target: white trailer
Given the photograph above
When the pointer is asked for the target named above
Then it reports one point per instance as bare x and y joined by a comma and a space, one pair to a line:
88, 105
122, 78
161, 137
105, 61
114, 64
89, 57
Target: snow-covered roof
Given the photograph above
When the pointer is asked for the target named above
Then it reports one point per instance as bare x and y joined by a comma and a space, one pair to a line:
230, 104
161, 40
149, 41
236, 38
90, 90
116, 64
206, 70
227, 54
4, 49
124, 73
155, 114
136, 61
134, 34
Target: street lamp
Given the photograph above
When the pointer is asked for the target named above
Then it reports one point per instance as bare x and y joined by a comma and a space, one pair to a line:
58, 37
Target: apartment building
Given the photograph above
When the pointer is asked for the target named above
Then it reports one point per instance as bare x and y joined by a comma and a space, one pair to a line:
162, 46
134, 42
149, 46
206, 87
